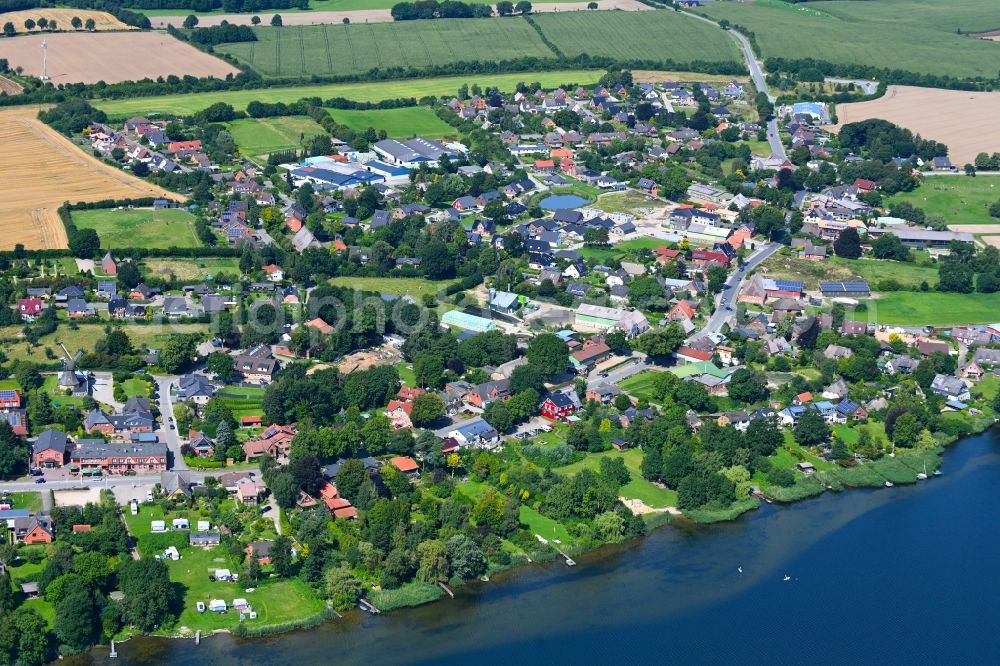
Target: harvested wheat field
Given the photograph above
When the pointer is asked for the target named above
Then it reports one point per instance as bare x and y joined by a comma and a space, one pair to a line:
964, 121
40, 170
63, 19
85, 57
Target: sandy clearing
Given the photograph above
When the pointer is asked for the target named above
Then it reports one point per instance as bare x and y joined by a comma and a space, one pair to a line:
976, 228
935, 114
102, 20
111, 57
40, 170
638, 507
370, 15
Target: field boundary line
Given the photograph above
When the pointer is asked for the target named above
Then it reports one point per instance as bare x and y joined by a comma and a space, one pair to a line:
329, 54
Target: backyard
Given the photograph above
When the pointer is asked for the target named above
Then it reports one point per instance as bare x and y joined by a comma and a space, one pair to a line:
200, 268
415, 287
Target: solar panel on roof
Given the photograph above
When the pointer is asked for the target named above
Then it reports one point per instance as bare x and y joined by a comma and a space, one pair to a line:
788, 285
7, 394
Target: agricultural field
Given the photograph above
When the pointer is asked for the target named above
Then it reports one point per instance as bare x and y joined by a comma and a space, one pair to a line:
922, 36
376, 91
653, 36
28, 207
260, 136
415, 287
325, 50
199, 268
933, 308
921, 110
960, 199
397, 123
783, 266
63, 18
140, 227
86, 57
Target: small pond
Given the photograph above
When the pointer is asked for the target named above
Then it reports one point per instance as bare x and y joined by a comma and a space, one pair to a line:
562, 201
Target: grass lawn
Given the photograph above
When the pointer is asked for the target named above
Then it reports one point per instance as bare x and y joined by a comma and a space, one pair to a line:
915, 35
626, 202
51, 386
136, 387
640, 386
638, 487
402, 123
186, 104
960, 199
27, 500
338, 49
199, 268
406, 374
140, 227
639, 244
601, 253
259, 136
849, 434
84, 337
415, 287
837, 269
546, 527
932, 308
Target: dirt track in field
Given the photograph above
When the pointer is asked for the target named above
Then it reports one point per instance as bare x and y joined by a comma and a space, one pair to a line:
85, 57
369, 15
964, 121
40, 170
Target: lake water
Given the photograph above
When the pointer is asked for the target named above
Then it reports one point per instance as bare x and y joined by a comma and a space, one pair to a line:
900, 575
562, 201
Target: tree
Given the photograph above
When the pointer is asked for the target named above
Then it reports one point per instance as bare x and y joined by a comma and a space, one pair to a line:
255, 20
505, 8
178, 352
498, 415
8, 29
433, 558
549, 353
426, 409
13, 453
43, 23
610, 527
29, 24
652, 463
221, 364
149, 595
89, 25
839, 451
591, 5
465, 557
190, 22
343, 588
349, 478
129, 274
7, 600
811, 429
75, 619
523, 7
24, 638
660, 342
748, 386
281, 555
276, 21
84, 243
906, 430
253, 568
285, 490
848, 244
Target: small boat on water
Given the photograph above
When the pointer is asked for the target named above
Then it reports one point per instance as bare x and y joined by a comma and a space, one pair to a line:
888, 484
922, 475
937, 472
787, 577
740, 569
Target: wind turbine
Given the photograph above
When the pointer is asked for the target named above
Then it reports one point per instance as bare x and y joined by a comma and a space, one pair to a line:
45, 60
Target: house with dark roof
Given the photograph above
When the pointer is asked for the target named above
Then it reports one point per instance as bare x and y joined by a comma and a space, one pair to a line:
558, 406
49, 450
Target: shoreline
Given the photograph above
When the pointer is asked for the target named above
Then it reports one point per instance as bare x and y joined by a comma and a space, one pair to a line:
671, 513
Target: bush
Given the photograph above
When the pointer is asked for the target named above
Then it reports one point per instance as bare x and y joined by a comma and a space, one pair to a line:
411, 594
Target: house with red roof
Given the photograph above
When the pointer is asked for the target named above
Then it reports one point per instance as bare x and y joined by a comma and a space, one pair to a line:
682, 310
398, 412
406, 465
274, 272
30, 308
686, 355
702, 258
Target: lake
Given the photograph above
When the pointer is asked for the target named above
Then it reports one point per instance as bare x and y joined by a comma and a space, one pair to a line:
896, 575
562, 201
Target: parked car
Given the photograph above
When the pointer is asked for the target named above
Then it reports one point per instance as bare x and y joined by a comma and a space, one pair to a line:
40, 479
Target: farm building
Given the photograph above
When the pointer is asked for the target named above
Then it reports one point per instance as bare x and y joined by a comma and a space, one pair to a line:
857, 289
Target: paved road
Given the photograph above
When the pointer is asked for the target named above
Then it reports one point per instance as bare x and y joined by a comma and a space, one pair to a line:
168, 436
732, 288
615, 376
773, 138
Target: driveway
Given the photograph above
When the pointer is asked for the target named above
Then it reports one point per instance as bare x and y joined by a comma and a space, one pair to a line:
596, 378
103, 390
167, 435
